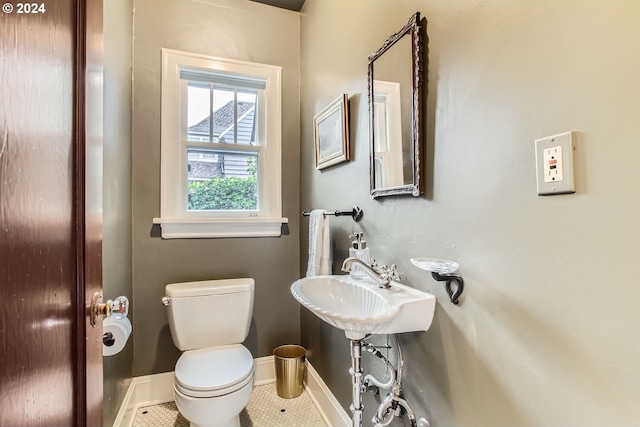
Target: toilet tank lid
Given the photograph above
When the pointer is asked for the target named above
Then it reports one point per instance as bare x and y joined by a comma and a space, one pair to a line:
209, 287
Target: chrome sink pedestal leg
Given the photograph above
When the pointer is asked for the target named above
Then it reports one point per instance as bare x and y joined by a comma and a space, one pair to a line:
358, 385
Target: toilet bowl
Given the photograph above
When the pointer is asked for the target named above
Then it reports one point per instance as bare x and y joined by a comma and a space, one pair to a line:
213, 385
213, 377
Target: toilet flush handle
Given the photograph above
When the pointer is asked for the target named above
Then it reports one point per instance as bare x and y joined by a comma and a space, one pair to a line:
165, 301
118, 308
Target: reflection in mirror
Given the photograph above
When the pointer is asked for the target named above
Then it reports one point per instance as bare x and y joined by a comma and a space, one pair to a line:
395, 86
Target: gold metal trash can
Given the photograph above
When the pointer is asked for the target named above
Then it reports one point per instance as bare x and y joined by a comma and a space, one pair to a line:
289, 360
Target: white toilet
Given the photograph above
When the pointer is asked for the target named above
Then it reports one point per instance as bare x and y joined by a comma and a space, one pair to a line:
209, 320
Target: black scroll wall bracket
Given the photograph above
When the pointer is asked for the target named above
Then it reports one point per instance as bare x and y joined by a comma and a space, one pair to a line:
454, 284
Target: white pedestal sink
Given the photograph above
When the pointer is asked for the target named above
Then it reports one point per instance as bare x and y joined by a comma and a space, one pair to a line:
361, 308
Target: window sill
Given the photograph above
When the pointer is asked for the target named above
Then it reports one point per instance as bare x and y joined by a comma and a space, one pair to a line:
208, 228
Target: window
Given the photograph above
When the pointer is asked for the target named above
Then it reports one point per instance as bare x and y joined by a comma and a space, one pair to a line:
220, 148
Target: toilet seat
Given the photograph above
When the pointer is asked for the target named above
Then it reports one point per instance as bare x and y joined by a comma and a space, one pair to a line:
215, 371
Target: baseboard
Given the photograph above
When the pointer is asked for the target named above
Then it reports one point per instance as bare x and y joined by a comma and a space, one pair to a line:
265, 370
144, 391
328, 406
158, 388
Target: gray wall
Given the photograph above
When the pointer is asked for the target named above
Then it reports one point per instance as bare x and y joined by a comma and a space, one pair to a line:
231, 29
116, 252
547, 330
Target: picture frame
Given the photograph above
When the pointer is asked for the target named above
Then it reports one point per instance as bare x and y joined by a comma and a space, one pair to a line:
331, 133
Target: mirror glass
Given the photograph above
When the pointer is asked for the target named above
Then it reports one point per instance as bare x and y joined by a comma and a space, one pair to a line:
395, 108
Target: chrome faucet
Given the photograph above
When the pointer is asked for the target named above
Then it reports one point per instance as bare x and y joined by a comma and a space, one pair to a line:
382, 276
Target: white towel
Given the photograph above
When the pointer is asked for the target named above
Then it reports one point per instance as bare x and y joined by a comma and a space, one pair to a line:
319, 244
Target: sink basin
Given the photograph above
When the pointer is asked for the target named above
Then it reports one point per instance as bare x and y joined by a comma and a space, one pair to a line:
361, 308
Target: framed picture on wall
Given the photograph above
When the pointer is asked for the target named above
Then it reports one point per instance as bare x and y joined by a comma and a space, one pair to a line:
331, 133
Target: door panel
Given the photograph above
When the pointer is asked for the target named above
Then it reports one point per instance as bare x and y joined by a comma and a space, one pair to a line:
36, 213
93, 126
43, 255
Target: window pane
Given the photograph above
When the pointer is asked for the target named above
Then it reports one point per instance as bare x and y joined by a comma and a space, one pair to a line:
222, 180
223, 114
234, 121
247, 102
198, 111
234, 113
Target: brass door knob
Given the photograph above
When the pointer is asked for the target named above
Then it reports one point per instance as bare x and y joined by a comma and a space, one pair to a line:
118, 308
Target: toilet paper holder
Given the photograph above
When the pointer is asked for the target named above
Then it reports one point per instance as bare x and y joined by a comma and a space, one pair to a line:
115, 335
108, 339
118, 308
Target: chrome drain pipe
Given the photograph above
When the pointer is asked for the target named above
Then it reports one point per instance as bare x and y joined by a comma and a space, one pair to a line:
390, 408
393, 404
370, 379
357, 407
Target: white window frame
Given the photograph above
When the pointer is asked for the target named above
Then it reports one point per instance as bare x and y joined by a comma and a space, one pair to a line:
175, 220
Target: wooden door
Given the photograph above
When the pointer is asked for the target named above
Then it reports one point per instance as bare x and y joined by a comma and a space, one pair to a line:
50, 212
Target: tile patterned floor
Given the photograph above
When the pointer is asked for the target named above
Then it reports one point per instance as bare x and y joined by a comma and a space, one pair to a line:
162, 415
265, 409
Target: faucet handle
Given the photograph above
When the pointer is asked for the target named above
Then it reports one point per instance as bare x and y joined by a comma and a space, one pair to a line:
389, 273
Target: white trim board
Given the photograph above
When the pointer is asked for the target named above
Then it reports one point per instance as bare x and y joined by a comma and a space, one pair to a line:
332, 413
158, 388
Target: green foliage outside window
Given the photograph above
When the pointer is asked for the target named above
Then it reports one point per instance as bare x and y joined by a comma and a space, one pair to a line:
229, 193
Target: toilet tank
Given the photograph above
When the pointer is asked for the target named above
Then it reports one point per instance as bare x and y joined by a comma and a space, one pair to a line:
209, 313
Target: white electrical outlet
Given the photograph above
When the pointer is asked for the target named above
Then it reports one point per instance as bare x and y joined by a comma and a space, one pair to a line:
555, 164
552, 158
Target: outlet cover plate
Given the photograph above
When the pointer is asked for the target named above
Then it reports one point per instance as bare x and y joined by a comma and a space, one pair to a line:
553, 177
